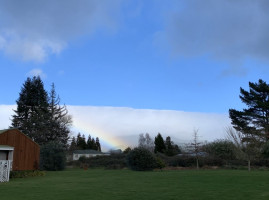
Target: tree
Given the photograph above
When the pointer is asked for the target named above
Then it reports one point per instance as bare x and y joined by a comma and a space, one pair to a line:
52, 156
32, 113
195, 145
223, 149
246, 149
171, 148
59, 119
98, 145
141, 159
253, 122
146, 142
81, 143
159, 144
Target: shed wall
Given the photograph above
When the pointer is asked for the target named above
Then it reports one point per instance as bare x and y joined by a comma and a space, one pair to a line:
26, 152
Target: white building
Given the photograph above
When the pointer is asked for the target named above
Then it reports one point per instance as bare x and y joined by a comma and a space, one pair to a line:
87, 153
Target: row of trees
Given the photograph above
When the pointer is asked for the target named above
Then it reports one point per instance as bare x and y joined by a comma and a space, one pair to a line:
159, 145
80, 143
39, 114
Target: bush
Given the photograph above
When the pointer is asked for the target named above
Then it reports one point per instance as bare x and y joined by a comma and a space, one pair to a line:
52, 157
222, 149
113, 161
24, 174
141, 159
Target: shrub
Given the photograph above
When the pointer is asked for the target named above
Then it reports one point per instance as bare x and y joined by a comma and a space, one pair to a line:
52, 157
141, 159
113, 161
24, 174
222, 149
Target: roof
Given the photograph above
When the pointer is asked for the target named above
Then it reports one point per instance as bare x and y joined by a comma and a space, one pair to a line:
87, 151
2, 131
6, 148
5, 130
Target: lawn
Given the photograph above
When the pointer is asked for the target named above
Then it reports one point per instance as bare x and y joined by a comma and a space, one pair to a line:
125, 184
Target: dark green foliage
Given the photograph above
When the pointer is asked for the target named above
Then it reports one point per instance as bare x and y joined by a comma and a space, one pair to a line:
141, 159
59, 120
114, 161
24, 174
253, 121
127, 150
159, 144
32, 113
52, 156
39, 115
80, 143
222, 149
265, 150
171, 148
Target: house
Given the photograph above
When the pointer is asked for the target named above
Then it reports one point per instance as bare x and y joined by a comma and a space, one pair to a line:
87, 153
20, 149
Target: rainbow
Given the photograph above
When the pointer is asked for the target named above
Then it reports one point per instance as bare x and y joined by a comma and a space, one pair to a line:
108, 140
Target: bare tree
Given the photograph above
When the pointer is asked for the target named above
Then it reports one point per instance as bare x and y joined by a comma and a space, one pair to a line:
196, 146
146, 142
247, 147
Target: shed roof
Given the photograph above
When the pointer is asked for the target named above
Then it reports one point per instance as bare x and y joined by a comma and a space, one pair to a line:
5, 130
6, 148
87, 151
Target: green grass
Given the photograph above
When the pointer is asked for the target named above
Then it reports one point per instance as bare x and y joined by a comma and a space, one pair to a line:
124, 185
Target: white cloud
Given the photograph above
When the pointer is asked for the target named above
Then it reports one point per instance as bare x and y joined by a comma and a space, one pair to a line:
225, 30
125, 124
6, 111
37, 72
31, 30
119, 127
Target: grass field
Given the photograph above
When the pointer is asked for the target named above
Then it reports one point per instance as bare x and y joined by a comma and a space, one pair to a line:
124, 184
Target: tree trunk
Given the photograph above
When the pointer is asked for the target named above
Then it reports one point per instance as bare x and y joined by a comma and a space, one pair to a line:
197, 163
249, 165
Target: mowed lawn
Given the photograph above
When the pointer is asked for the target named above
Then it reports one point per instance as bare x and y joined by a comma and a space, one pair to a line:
125, 184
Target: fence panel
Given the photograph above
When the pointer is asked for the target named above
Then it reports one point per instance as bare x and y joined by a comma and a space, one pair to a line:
4, 170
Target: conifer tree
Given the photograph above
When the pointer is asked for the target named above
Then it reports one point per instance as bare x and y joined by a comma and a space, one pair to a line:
253, 121
59, 120
98, 145
159, 144
32, 113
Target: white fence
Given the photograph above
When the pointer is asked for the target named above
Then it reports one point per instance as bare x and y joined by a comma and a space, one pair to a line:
5, 167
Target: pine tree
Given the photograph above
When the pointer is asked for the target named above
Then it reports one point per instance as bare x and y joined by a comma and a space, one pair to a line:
81, 143
98, 145
159, 144
253, 121
89, 142
32, 113
59, 121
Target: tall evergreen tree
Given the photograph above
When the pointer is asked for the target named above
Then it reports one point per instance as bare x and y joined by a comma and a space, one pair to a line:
98, 145
59, 120
253, 122
31, 115
159, 144
81, 143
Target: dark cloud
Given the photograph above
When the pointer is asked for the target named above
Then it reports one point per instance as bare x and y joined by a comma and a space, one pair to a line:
229, 30
32, 29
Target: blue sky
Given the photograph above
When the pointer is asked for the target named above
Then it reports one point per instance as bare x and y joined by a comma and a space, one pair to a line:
190, 56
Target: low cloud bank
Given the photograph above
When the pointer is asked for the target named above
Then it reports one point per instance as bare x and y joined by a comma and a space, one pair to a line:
118, 127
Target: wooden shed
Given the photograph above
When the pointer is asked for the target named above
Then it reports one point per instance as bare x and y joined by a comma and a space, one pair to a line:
26, 152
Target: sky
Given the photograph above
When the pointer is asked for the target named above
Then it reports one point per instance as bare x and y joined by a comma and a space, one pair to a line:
126, 67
